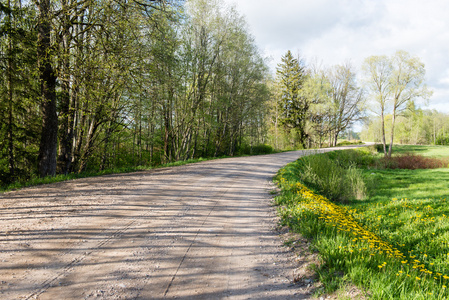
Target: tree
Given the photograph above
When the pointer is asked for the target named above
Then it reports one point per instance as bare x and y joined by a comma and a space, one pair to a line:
406, 84
20, 118
395, 82
318, 90
347, 99
378, 71
47, 79
291, 75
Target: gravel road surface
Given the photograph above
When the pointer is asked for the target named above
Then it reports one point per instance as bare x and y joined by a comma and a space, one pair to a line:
200, 231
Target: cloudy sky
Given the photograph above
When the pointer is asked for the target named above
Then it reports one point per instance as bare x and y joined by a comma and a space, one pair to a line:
335, 31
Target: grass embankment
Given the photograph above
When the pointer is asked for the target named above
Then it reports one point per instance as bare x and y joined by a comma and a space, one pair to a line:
393, 241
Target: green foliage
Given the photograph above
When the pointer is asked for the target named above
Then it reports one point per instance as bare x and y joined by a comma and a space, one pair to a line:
256, 150
380, 147
442, 140
19, 109
414, 126
348, 143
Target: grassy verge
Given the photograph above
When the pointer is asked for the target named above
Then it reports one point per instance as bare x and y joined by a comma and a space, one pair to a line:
256, 150
58, 178
394, 242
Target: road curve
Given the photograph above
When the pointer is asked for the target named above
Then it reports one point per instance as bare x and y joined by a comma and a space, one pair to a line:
200, 231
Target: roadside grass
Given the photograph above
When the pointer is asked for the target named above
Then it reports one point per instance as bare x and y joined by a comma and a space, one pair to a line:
58, 178
394, 243
261, 149
347, 143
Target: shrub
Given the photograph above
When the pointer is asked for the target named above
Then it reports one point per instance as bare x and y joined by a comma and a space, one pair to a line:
347, 143
262, 149
442, 140
411, 162
255, 150
380, 147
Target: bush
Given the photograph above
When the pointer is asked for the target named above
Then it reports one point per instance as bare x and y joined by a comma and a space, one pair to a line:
442, 140
411, 162
256, 150
262, 149
348, 143
380, 147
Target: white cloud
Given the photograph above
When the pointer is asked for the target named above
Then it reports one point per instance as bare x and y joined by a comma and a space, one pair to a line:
334, 31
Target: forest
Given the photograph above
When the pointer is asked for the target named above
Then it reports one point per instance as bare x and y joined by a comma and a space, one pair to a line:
92, 85
87, 85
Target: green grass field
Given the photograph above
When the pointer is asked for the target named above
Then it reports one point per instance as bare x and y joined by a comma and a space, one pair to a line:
432, 151
394, 243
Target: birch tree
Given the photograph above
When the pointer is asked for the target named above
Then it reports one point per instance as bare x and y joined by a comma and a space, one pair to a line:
407, 84
394, 82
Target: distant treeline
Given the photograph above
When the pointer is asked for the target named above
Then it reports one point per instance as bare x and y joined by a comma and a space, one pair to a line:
415, 126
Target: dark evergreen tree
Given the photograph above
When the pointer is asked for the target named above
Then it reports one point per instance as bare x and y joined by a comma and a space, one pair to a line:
293, 107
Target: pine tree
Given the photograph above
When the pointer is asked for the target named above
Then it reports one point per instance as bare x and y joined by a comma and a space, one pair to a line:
293, 107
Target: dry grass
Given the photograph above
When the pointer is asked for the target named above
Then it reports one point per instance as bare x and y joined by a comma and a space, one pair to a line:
412, 162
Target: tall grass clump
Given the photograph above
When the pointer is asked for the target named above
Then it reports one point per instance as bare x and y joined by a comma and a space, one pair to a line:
335, 175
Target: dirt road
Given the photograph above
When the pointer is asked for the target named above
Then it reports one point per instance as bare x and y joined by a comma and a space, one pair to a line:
201, 231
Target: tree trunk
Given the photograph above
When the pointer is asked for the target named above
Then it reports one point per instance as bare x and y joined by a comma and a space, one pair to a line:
88, 147
167, 154
392, 132
383, 133
105, 160
335, 138
66, 114
47, 77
